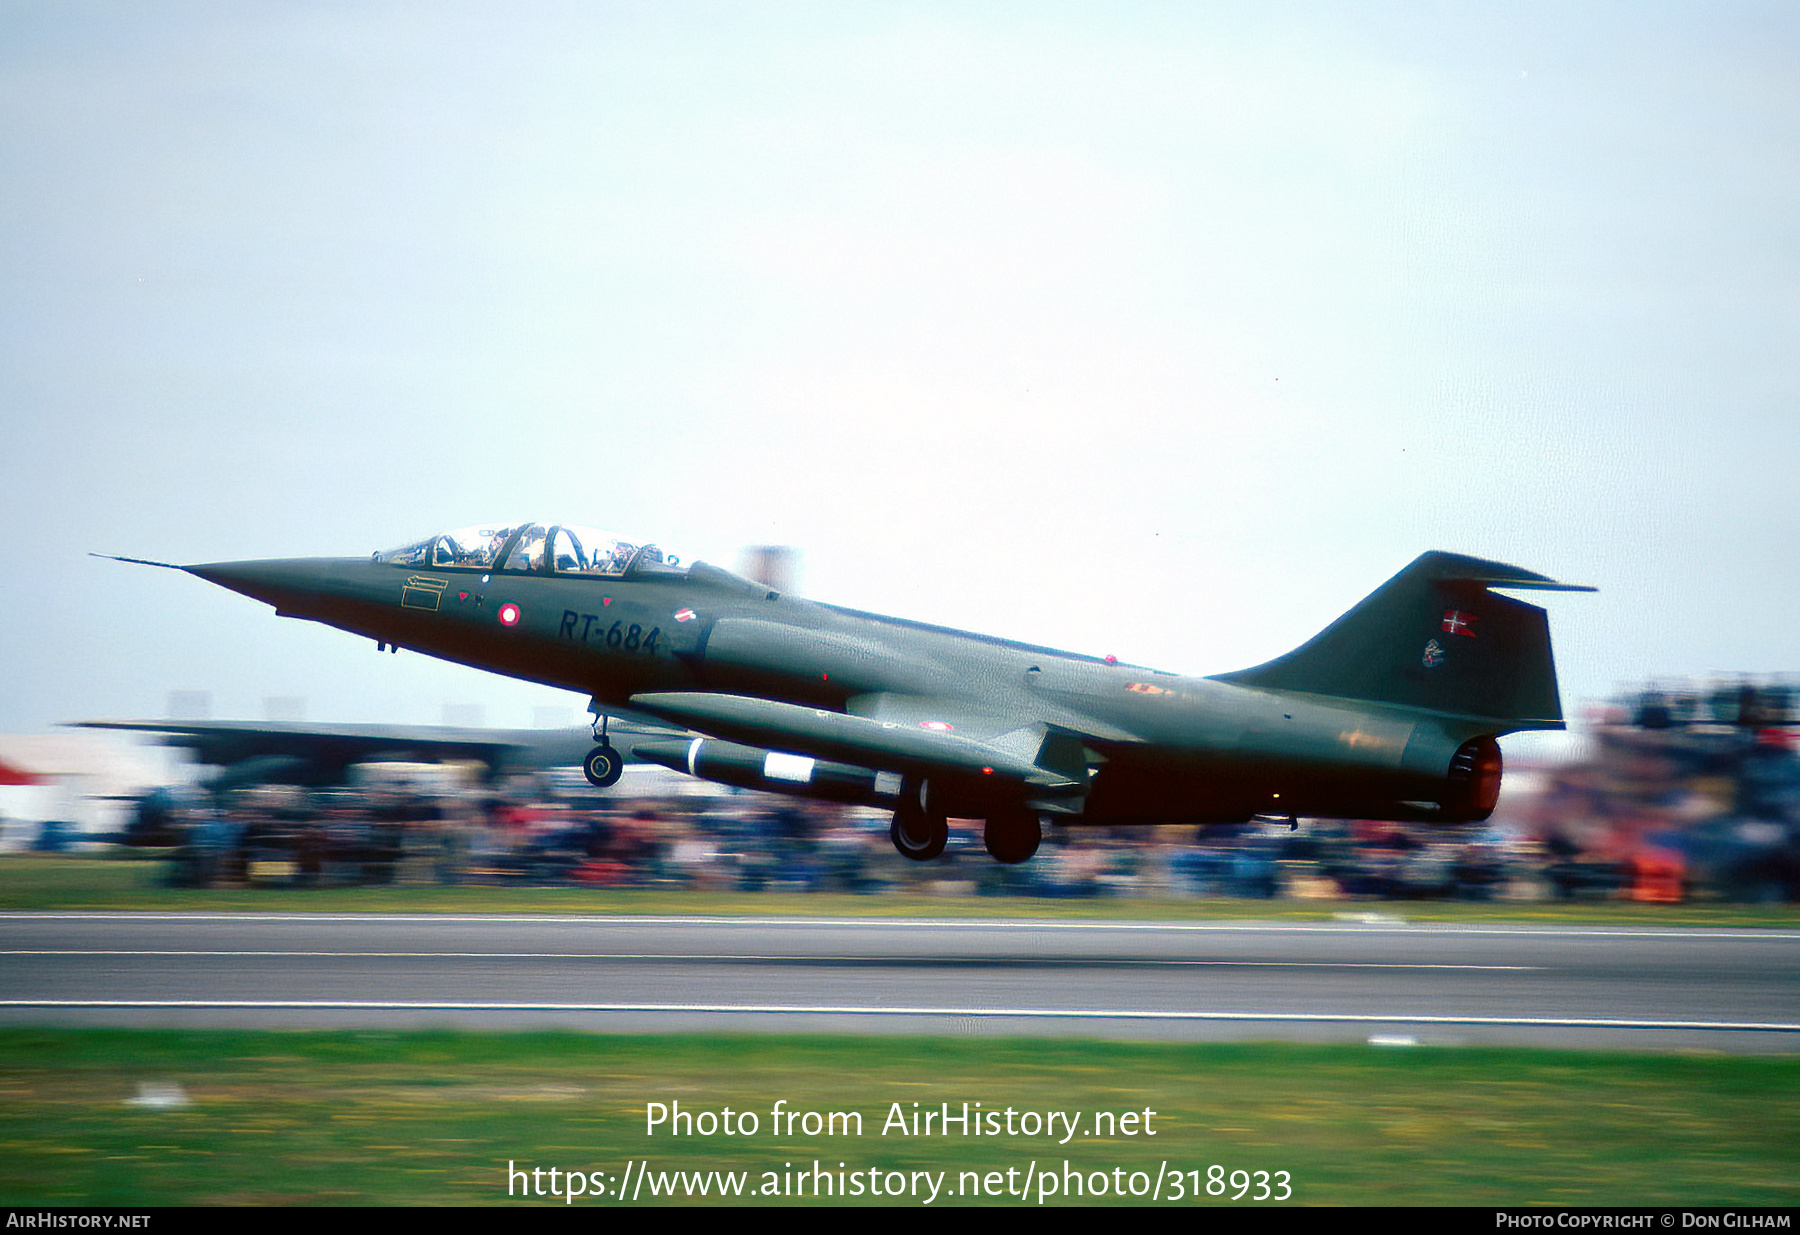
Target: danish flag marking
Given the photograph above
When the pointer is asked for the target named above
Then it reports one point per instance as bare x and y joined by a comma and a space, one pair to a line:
1456, 622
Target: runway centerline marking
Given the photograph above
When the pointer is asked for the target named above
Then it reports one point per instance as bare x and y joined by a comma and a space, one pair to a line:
1359, 1018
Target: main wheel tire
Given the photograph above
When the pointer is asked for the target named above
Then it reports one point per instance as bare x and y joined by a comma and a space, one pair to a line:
1012, 836
919, 834
603, 766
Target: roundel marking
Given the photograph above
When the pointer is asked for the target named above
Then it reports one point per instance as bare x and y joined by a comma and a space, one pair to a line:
509, 614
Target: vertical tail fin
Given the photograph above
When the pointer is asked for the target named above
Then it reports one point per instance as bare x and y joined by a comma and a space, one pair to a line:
1435, 637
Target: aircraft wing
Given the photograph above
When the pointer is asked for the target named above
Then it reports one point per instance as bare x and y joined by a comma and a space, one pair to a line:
326, 749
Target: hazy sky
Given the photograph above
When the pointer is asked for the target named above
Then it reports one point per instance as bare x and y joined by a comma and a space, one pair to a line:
1160, 330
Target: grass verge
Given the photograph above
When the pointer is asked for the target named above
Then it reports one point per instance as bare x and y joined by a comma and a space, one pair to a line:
111, 883
435, 1118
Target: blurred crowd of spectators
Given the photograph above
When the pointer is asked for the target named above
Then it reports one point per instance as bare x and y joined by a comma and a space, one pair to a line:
531, 834
1688, 790
1685, 793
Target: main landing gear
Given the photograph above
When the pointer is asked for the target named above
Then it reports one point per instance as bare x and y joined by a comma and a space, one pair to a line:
1012, 836
604, 764
919, 831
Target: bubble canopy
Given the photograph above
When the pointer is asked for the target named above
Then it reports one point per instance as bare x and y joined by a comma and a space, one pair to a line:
538, 549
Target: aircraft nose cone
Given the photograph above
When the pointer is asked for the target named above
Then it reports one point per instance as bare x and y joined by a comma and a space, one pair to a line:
286, 583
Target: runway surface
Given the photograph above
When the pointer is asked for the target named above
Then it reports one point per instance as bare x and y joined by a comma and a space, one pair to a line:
1731, 990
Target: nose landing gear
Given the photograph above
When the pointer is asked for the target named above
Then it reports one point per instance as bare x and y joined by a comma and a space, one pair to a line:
603, 765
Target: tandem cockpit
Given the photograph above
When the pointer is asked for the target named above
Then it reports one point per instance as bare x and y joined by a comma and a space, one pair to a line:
538, 549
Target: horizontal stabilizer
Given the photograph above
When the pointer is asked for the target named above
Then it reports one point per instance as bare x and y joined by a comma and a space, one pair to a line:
1455, 568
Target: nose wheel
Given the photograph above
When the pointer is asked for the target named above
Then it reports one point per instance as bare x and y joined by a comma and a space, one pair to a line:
603, 766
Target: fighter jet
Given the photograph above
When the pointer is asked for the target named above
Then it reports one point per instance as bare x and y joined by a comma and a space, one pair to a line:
1391, 712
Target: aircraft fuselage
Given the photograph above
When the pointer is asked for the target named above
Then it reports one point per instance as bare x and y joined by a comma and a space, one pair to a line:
989, 722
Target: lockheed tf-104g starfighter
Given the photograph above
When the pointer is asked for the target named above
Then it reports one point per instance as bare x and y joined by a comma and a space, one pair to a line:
1390, 713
